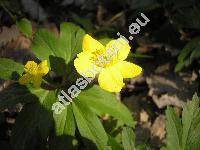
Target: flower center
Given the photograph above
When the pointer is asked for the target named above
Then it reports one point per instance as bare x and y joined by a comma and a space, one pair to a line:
101, 58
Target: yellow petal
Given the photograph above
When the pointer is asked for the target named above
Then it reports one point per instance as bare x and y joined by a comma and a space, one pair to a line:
127, 69
43, 68
31, 67
120, 47
90, 44
37, 80
110, 79
85, 66
25, 79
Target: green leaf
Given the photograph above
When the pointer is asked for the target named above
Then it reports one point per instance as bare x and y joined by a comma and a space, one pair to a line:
113, 143
174, 130
58, 65
185, 135
191, 124
45, 44
25, 130
70, 40
10, 69
195, 53
128, 138
89, 125
58, 51
25, 27
143, 147
188, 48
15, 94
190, 51
62, 143
163, 148
65, 123
32, 127
179, 66
102, 102
34, 123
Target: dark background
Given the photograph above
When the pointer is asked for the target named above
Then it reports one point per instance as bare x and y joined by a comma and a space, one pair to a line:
173, 24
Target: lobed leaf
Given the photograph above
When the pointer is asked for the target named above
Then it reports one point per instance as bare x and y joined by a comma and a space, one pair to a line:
190, 51
65, 123
25, 27
174, 130
89, 125
128, 138
59, 51
184, 135
102, 102
35, 120
10, 69
70, 40
45, 44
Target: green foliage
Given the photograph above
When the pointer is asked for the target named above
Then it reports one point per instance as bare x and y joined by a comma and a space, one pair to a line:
10, 69
89, 125
188, 54
35, 120
38, 104
183, 134
25, 27
102, 102
62, 125
70, 40
143, 147
79, 123
128, 138
45, 44
174, 129
84, 108
113, 143
32, 127
58, 51
15, 94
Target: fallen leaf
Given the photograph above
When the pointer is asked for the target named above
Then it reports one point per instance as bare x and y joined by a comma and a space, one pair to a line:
8, 34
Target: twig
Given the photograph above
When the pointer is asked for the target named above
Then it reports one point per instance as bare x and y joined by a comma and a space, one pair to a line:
9, 13
114, 18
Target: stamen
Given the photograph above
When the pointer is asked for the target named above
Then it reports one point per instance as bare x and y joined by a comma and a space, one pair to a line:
103, 58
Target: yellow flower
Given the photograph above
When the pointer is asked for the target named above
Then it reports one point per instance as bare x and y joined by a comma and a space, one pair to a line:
34, 73
107, 62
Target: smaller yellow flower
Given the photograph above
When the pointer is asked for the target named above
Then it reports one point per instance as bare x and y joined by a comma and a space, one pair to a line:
108, 62
34, 73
